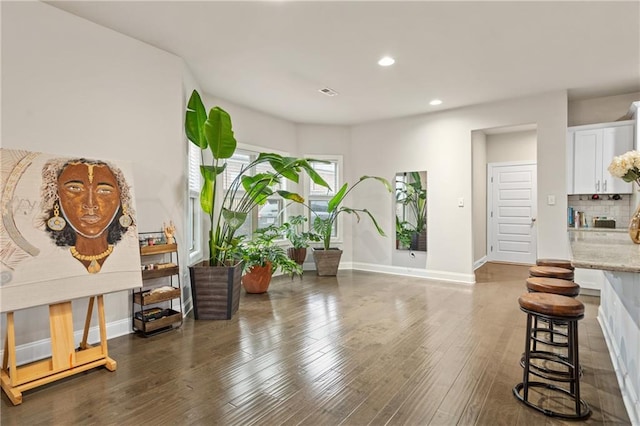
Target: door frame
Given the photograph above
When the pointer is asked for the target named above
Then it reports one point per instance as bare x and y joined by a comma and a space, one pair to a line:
490, 206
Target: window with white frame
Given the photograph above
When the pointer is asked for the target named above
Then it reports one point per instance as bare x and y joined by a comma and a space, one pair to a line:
318, 196
194, 212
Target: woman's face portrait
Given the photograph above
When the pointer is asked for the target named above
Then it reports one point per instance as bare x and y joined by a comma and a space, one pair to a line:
89, 197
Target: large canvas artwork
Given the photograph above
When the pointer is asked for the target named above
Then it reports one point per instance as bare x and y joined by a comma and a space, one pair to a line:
67, 230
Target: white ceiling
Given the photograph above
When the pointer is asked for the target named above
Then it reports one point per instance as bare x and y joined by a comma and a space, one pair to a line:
274, 56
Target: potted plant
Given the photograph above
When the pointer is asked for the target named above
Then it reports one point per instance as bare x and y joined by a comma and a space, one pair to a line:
262, 257
326, 258
293, 230
404, 232
215, 283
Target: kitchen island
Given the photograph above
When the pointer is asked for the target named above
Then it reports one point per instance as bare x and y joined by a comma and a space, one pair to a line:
619, 312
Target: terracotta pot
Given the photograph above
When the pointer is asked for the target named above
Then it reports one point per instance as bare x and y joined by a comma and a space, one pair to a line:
298, 255
215, 291
257, 279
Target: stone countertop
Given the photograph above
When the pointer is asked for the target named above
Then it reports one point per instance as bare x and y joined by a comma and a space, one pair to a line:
606, 250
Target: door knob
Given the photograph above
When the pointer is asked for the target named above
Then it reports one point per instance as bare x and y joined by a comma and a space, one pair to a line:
533, 219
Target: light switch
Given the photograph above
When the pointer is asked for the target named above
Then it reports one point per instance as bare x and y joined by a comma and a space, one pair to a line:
551, 200
460, 202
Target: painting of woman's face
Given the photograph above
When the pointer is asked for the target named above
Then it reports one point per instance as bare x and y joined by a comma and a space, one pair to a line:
89, 197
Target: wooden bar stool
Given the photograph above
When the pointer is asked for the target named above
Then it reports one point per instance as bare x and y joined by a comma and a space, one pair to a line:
553, 286
552, 307
554, 328
559, 263
551, 272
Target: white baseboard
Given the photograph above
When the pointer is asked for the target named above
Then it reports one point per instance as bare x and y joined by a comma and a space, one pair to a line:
466, 279
628, 395
478, 263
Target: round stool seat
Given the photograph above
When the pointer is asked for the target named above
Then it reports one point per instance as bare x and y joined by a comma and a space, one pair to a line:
559, 263
552, 305
551, 272
553, 286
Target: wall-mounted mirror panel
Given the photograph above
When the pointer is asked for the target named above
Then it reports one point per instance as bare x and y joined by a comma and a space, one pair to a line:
411, 211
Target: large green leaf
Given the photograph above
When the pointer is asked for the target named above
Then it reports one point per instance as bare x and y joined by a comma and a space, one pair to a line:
234, 219
337, 199
258, 187
194, 121
287, 167
267, 179
315, 177
291, 196
206, 193
219, 134
373, 219
380, 179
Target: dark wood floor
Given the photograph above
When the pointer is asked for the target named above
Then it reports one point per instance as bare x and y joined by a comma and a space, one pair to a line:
358, 349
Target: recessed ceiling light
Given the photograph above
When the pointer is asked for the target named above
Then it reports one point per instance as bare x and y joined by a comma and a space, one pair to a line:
328, 91
386, 61
435, 102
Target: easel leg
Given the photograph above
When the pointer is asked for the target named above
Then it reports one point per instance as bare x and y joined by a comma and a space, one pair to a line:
9, 373
110, 364
87, 324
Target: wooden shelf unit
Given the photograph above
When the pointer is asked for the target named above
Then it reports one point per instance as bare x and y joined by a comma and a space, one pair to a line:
170, 301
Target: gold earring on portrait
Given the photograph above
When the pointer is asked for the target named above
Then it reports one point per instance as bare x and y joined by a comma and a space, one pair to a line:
56, 223
125, 220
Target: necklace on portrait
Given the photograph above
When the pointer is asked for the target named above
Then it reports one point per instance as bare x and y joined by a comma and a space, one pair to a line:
94, 267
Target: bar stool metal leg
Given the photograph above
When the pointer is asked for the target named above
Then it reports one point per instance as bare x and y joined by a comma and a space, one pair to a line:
569, 405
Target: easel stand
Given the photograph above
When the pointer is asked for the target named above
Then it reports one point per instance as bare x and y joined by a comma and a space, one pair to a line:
65, 360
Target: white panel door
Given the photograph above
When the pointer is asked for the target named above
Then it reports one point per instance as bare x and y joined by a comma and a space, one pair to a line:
512, 213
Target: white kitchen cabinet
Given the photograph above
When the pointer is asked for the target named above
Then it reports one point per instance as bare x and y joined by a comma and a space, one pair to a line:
592, 148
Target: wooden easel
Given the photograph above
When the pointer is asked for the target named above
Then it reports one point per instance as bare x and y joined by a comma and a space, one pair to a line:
65, 360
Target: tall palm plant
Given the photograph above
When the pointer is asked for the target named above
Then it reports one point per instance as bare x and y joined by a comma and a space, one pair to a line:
228, 210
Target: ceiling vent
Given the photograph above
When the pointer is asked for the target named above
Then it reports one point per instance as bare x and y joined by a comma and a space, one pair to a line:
328, 91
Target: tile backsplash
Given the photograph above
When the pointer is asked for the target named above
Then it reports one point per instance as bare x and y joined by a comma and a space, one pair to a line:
605, 206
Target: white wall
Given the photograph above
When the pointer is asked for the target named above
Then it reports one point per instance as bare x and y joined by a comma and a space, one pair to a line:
601, 110
256, 128
73, 88
441, 144
511, 146
315, 140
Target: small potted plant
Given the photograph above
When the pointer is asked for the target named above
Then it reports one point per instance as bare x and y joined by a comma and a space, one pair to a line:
404, 233
262, 257
327, 258
293, 230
